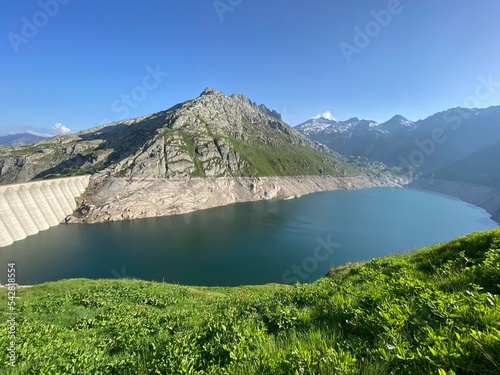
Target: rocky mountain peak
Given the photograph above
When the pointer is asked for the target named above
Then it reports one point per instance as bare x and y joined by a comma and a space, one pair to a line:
270, 112
397, 123
242, 99
398, 118
210, 91
352, 119
325, 115
213, 135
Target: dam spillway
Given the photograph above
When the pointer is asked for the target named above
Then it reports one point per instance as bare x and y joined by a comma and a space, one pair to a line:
26, 209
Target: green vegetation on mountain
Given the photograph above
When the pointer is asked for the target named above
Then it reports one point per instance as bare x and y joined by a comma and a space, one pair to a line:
279, 159
433, 311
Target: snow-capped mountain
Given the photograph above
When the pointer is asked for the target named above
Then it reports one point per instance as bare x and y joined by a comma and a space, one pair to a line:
316, 125
451, 143
326, 116
396, 124
340, 135
326, 123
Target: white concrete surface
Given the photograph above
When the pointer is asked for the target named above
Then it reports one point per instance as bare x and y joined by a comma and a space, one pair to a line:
26, 209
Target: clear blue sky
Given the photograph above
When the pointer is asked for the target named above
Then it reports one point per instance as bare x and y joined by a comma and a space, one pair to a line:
75, 67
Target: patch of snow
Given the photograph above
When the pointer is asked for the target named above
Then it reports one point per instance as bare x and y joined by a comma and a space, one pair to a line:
326, 115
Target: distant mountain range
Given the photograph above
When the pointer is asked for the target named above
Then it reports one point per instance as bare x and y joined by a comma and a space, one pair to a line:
458, 144
19, 139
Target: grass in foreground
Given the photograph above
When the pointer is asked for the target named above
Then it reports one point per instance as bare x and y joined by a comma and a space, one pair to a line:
434, 311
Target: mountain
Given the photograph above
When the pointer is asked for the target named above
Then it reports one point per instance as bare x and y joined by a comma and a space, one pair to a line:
19, 139
397, 124
326, 115
211, 135
459, 143
480, 167
353, 137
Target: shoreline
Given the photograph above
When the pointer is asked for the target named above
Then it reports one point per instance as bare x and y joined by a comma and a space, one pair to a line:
110, 199
485, 197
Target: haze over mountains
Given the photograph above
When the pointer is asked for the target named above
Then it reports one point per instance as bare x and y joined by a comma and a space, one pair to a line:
19, 139
458, 144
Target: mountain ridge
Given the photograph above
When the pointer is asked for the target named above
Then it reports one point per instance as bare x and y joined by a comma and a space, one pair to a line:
454, 139
20, 139
212, 135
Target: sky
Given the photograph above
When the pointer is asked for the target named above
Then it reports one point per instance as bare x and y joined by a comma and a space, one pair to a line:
69, 65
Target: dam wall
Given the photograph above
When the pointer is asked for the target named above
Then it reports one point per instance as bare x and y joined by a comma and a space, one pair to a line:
26, 209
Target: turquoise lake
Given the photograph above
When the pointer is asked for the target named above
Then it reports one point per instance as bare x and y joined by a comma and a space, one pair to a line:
248, 243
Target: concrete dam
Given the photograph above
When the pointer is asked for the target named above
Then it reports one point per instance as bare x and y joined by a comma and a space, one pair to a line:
26, 209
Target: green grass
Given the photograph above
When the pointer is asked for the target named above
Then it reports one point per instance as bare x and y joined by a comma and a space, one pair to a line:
280, 159
433, 311
189, 148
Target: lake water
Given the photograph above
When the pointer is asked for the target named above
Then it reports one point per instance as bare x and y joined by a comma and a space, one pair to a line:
248, 243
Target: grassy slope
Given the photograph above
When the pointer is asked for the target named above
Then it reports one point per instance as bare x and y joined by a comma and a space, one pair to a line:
283, 159
433, 311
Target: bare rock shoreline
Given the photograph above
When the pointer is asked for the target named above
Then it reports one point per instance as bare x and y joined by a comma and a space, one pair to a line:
482, 196
114, 199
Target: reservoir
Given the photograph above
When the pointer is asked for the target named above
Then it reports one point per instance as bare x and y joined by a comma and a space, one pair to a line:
248, 243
